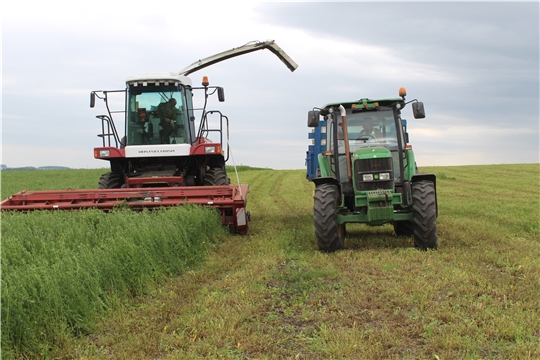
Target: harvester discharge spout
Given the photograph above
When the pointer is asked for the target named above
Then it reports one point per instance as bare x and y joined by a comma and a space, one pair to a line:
244, 49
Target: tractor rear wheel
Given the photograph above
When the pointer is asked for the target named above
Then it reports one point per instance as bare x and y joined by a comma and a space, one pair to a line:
111, 180
216, 177
403, 228
424, 215
330, 235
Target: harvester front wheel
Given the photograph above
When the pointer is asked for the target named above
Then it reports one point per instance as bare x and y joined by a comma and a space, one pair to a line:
424, 215
111, 180
330, 235
216, 177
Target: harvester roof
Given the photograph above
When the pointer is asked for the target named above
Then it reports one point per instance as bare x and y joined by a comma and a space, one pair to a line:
159, 77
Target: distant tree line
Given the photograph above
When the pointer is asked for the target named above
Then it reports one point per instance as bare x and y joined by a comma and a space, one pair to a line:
4, 167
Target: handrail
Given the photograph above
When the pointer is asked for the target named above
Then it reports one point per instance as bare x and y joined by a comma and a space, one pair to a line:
107, 134
204, 130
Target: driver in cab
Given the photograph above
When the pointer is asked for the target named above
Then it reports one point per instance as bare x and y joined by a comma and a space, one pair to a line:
166, 113
369, 131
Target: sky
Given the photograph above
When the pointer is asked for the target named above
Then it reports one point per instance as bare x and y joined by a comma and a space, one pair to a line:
474, 65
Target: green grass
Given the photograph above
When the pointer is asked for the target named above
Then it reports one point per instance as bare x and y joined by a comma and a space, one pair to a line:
14, 181
273, 295
61, 271
240, 168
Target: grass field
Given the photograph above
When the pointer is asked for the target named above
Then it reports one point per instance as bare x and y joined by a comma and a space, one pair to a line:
272, 295
62, 271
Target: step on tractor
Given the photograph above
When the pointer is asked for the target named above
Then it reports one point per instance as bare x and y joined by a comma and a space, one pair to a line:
170, 152
364, 171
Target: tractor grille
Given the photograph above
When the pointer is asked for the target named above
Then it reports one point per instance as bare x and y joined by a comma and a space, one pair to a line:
373, 167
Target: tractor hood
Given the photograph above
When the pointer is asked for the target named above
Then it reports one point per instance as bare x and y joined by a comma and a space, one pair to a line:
375, 152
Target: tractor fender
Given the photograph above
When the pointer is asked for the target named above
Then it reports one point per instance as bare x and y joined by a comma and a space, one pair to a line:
428, 177
327, 180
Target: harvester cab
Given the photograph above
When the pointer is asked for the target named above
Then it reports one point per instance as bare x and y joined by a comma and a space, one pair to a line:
168, 153
168, 142
164, 144
366, 172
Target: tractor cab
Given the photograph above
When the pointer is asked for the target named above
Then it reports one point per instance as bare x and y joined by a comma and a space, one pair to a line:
363, 131
371, 134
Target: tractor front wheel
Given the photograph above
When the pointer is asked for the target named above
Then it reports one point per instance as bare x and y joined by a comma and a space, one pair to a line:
330, 235
111, 180
216, 177
424, 208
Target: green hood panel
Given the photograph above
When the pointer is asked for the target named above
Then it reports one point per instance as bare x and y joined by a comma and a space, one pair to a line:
371, 153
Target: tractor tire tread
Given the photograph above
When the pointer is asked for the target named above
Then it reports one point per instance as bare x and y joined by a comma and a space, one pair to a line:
403, 228
424, 215
330, 235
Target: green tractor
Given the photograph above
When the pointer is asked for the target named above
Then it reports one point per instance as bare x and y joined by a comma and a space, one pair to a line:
366, 172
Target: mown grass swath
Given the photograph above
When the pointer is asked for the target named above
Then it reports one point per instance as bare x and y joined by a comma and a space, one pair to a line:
62, 270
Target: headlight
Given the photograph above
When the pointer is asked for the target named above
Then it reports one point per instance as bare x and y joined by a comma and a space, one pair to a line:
367, 177
384, 176
210, 149
104, 153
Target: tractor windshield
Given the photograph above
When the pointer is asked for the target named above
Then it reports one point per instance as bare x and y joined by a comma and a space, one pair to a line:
368, 129
157, 114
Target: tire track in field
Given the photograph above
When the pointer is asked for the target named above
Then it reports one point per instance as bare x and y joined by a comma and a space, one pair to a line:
224, 305
282, 198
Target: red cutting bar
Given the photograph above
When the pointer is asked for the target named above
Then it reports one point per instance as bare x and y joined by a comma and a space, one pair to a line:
144, 181
230, 199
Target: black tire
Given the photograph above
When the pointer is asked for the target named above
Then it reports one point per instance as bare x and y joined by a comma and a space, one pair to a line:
111, 180
216, 177
424, 208
403, 228
330, 235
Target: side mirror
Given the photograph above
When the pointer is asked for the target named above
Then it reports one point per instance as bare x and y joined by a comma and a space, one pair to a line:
313, 118
92, 99
418, 110
221, 94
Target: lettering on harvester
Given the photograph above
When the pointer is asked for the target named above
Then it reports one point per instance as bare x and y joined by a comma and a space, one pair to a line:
155, 151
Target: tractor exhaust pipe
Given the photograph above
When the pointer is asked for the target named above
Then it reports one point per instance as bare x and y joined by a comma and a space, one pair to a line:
343, 125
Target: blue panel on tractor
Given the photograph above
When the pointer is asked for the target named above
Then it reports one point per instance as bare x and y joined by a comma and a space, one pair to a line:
318, 136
